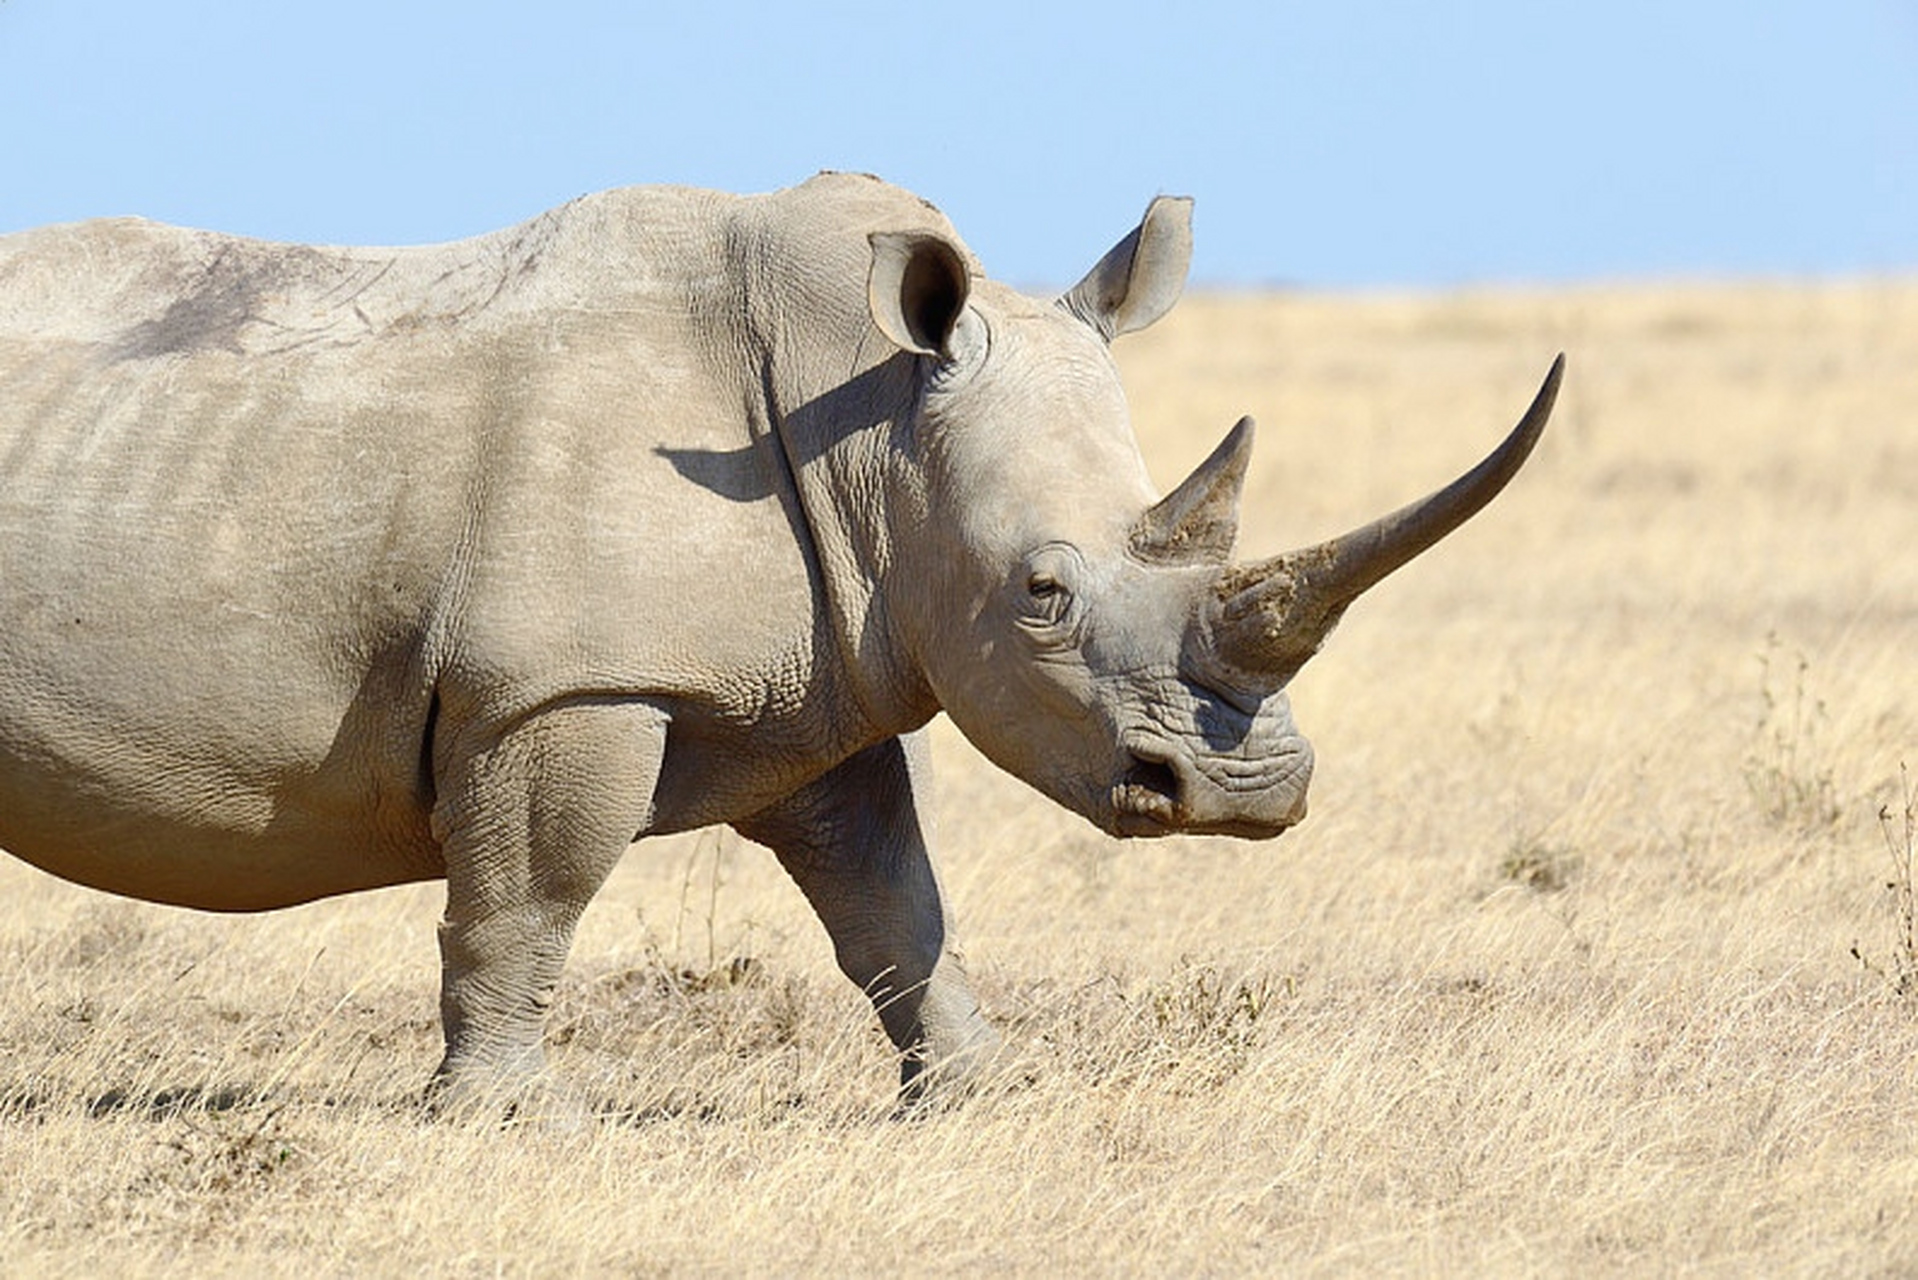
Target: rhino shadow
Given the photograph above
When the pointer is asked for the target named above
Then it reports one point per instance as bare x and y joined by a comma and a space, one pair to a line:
737, 475
746, 474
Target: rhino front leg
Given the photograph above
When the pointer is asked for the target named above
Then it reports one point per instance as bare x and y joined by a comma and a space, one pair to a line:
531, 822
858, 843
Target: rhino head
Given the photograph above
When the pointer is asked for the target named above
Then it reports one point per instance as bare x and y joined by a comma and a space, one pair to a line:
1087, 635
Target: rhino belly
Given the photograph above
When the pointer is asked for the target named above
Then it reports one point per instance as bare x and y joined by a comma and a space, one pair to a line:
108, 799
204, 745
199, 860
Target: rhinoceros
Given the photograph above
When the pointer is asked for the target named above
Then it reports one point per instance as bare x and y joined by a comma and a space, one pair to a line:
324, 569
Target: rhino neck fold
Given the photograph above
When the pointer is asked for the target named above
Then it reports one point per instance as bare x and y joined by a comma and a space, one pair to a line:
834, 449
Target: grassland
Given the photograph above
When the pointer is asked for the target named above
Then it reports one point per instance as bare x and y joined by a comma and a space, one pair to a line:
1590, 959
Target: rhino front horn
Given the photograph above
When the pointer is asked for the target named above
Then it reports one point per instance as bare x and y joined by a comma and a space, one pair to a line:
1260, 622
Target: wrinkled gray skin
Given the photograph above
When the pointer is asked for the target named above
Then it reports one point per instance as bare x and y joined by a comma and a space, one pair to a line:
326, 569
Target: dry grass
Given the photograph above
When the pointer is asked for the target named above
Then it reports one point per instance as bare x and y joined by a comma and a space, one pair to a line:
1559, 977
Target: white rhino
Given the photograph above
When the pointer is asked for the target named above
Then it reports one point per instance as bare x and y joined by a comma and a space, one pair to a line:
325, 569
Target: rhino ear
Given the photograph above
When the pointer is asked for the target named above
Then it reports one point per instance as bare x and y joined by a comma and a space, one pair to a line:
917, 290
1142, 276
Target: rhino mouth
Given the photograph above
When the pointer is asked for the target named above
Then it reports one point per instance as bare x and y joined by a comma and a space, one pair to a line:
1145, 800
1163, 792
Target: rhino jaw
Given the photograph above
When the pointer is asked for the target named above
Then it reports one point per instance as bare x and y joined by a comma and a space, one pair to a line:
1166, 790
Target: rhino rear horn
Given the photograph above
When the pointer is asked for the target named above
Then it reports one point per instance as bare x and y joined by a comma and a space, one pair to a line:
1198, 522
1140, 277
1260, 622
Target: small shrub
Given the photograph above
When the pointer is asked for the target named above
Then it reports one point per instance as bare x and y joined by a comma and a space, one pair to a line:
1899, 826
1791, 789
1540, 867
1202, 1022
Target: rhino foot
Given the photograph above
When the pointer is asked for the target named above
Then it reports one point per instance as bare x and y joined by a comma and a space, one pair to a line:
935, 1077
505, 1099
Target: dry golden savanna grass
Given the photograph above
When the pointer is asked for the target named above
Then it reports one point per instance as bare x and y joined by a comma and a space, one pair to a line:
1584, 963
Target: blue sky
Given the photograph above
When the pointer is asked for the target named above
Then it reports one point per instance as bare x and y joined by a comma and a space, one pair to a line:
1352, 144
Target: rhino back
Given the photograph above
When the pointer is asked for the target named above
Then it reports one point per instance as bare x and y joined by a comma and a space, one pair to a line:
269, 512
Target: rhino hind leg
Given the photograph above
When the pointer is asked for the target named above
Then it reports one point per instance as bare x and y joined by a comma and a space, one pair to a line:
858, 843
531, 824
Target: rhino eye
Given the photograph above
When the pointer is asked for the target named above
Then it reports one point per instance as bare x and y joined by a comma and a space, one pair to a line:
1047, 604
1050, 599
